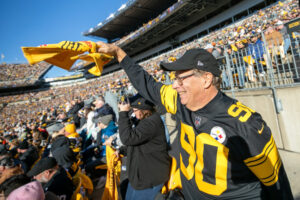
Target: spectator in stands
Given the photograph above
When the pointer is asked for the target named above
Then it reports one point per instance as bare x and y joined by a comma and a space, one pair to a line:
207, 117
28, 154
148, 162
89, 125
7, 163
216, 52
12, 176
102, 108
256, 50
283, 30
66, 158
241, 68
53, 178
73, 136
106, 128
76, 105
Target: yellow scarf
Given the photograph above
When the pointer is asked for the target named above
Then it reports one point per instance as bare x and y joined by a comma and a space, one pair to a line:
113, 175
65, 53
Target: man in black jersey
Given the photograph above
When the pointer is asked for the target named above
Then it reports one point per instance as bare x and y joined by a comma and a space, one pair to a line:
226, 150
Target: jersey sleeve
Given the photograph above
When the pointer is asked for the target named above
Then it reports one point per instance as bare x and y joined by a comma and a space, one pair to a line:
262, 156
263, 159
153, 91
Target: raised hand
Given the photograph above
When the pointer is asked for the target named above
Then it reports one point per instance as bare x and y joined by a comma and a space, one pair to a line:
111, 49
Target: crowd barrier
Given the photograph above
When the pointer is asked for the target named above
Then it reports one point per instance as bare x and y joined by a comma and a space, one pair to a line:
262, 65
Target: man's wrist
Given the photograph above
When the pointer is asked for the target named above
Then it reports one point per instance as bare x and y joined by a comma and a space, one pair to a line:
120, 54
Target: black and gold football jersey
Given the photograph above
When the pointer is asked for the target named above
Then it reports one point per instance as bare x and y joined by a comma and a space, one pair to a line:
225, 150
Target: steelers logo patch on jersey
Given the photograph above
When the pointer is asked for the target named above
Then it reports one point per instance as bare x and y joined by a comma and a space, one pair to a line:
218, 134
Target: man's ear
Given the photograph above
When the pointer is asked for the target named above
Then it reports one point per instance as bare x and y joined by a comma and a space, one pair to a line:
208, 77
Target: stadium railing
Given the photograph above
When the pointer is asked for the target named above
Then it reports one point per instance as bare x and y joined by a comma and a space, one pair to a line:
245, 70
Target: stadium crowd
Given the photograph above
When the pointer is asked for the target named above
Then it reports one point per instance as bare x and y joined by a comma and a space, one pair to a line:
13, 75
66, 119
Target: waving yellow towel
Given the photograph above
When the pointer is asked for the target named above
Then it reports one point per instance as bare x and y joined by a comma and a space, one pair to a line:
65, 53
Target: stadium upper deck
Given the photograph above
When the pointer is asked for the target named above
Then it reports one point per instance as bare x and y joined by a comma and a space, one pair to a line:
170, 27
129, 17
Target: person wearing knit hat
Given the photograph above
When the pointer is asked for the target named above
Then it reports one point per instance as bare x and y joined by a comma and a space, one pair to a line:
70, 129
74, 137
107, 128
30, 191
105, 120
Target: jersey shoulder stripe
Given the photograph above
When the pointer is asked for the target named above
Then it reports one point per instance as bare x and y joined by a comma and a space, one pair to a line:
169, 98
266, 165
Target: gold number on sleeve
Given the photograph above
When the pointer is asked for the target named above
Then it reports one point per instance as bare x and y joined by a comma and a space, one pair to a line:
237, 109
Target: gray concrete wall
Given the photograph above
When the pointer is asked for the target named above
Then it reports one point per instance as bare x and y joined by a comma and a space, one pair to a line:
289, 118
262, 102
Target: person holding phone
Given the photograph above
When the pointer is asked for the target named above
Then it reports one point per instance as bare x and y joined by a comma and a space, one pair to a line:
148, 162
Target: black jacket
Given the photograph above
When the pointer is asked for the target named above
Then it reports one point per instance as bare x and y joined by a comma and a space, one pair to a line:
28, 158
148, 162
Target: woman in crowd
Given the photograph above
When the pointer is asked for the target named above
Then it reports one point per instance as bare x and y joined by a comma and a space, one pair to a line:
148, 162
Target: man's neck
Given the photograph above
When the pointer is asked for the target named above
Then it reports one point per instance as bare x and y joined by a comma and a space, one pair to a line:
204, 101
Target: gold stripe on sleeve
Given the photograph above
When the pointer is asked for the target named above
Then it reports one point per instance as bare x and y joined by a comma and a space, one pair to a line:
169, 98
266, 165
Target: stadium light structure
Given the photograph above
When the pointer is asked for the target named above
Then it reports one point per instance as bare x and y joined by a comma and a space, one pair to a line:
110, 16
122, 7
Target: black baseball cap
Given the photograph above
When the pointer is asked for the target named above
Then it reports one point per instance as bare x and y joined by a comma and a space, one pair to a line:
194, 59
23, 145
42, 165
141, 103
3, 150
